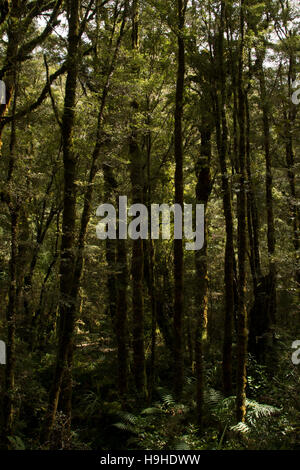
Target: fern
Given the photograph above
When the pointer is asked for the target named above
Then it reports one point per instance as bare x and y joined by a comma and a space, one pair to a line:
240, 427
257, 411
223, 409
128, 422
125, 427
166, 397
91, 402
212, 397
128, 418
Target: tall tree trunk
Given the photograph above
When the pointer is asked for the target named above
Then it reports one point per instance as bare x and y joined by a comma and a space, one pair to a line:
110, 186
121, 318
222, 144
66, 315
137, 264
203, 190
258, 320
149, 255
290, 163
270, 280
8, 401
117, 291
14, 210
252, 213
178, 246
242, 333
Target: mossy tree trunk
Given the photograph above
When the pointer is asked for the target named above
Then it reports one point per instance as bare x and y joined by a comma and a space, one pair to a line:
242, 332
222, 145
203, 190
67, 262
137, 263
178, 246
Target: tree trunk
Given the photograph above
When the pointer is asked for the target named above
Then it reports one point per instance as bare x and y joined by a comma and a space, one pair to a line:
137, 264
222, 145
203, 190
8, 401
290, 162
178, 246
121, 318
267, 336
66, 314
242, 333
110, 185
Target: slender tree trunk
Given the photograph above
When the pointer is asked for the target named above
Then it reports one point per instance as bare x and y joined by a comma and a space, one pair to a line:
290, 163
11, 312
117, 291
222, 144
252, 213
149, 255
137, 264
203, 190
270, 280
257, 319
121, 318
178, 246
242, 333
8, 402
137, 271
110, 186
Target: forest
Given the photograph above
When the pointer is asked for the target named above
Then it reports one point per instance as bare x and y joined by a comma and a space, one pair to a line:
117, 332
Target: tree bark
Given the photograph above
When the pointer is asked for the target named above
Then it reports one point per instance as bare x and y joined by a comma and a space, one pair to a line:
178, 246
203, 190
121, 319
290, 163
267, 335
242, 332
222, 145
137, 263
66, 314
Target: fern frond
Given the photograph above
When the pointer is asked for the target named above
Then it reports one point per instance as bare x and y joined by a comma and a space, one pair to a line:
166, 397
258, 410
127, 417
212, 397
240, 427
125, 427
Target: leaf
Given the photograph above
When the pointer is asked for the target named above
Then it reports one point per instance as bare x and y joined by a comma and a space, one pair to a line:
240, 427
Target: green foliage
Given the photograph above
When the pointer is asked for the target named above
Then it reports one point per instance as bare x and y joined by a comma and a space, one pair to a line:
16, 443
32, 182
